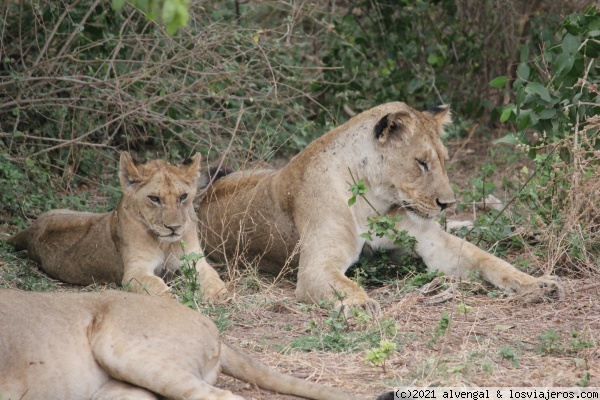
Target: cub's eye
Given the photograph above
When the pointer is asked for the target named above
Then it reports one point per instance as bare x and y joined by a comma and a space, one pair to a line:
154, 199
183, 197
423, 165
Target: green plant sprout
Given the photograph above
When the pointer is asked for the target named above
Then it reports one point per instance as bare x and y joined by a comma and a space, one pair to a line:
190, 291
379, 355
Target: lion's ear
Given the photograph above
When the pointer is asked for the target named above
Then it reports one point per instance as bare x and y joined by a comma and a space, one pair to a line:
129, 174
191, 167
393, 125
442, 115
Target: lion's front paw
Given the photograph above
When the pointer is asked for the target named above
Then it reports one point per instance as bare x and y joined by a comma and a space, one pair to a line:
544, 288
215, 291
358, 301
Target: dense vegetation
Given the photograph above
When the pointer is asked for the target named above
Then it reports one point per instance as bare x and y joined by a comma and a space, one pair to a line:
260, 79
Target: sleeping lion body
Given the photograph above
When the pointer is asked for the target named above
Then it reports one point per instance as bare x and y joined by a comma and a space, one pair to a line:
118, 345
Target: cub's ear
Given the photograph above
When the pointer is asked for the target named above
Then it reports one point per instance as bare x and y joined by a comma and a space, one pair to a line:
129, 174
394, 125
191, 167
442, 114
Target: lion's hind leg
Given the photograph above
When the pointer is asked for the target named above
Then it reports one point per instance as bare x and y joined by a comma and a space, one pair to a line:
172, 363
114, 389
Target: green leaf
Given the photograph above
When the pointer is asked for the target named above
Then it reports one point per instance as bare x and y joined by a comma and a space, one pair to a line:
509, 139
548, 113
564, 63
498, 82
523, 71
570, 44
524, 53
168, 11
536, 88
506, 113
593, 33
432, 59
352, 200
118, 4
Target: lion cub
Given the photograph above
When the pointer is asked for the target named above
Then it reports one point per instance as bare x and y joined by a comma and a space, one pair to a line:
137, 244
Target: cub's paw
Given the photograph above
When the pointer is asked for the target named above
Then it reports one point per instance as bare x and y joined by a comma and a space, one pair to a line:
547, 287
357, 301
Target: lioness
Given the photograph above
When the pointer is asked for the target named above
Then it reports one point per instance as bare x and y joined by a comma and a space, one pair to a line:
118, 345
137, 243
299, 215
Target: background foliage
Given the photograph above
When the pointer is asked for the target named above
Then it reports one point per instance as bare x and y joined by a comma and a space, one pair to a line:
257, 80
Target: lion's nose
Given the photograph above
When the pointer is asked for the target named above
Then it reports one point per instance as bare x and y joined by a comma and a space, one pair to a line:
174, 228
445, 203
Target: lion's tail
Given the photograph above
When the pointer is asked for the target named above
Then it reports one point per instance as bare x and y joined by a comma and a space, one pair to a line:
245, 368
211, 176
18, 241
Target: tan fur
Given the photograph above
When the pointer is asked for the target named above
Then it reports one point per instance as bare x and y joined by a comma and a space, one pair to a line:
299, 216
118, 345
133, 244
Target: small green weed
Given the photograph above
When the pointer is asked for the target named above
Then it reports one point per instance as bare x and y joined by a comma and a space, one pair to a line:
549, 342
585, 380
441, 328
578, 343
508, 353
336, 334
188, 287
487, 367
463, 308
377, 356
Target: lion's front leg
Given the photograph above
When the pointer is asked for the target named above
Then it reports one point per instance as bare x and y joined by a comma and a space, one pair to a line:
138, 273
452, 255
323, 261
211, 284
141, 279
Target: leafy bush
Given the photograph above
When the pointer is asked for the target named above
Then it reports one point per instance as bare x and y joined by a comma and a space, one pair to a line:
556, 114
428, 52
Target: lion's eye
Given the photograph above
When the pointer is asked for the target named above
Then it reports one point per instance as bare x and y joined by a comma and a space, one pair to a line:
423, 165
154, 199
183, 197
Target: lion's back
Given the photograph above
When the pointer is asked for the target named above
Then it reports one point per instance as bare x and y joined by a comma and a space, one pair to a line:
243, 213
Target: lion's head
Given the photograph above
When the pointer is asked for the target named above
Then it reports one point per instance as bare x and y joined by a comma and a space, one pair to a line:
412, 172
160, 195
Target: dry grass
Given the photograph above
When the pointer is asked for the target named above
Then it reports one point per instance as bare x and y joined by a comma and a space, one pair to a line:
469, 353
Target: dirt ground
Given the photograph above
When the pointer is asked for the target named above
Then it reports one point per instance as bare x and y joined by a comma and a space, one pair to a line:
498, 342
503, 341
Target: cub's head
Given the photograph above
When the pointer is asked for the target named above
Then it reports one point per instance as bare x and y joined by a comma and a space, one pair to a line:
412, 172
160, 195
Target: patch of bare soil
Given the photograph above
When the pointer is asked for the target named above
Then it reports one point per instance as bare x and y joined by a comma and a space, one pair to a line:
496, 342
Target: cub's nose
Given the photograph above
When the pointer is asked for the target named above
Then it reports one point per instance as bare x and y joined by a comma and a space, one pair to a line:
445, 203
174, 228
